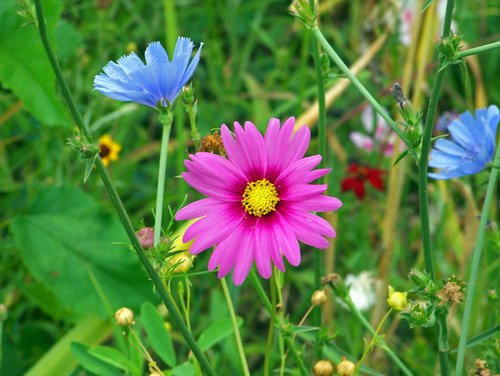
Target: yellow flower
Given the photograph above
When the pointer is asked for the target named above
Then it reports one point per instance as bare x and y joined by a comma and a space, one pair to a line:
109, 149
397, 300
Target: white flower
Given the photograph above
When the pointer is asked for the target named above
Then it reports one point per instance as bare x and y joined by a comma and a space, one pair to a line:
362, 290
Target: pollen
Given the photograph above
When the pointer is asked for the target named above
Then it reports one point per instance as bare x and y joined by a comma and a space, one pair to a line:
260, 198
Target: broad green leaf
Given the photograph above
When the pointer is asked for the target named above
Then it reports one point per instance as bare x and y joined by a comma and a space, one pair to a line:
158, 335
66, 241
183, 370
25, 68
216, 332
115, 358
91, 362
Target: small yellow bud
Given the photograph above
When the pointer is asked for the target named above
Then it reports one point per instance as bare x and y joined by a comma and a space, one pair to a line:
124, 317
346, 367
397, 300
131, 47
319, 298
185, 261
323, 368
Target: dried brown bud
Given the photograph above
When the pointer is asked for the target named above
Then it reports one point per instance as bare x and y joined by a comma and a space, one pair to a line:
124, 317
332, 278
451, 291
213, 144
323, 368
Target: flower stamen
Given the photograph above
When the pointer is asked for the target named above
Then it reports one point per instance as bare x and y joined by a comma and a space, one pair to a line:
260, 198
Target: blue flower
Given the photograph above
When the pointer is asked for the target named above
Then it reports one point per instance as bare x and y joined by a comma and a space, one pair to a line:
472, 145
159, 80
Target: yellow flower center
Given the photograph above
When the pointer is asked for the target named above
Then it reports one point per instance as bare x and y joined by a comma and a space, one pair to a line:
260, 197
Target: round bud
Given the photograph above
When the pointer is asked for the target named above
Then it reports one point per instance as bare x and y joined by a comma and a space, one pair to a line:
124, 317
323, 368
319, 298
346, 367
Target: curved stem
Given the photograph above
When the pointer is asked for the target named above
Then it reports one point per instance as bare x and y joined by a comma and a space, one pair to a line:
162, 171
383, 345
115, 199
476, 258
372, 342
338, 61
480, 49
239, 344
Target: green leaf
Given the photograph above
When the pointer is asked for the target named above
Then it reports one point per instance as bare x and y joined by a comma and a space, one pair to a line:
480, 338
426, 5
400, 156
92, 363
216, 332
66, 241
25, 68
184, 370
158, 335
115, 358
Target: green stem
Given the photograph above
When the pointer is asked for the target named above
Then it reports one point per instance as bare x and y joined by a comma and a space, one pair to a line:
383, 345
269, 307
372, 342
478, 50
195, 134
272, 287
476, 258
296, 356
318, 255
442, 335
115, 199
166, 121
239, 344
338, 61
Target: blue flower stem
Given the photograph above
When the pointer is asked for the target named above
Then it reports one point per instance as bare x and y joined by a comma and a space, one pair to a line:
165, 117
391, 354
442, 334
365, 93
288, 342
318, 254
272, 288
239, 344
479, 49
476, 258
115, 199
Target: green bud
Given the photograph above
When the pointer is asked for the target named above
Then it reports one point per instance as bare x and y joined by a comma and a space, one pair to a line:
188, 94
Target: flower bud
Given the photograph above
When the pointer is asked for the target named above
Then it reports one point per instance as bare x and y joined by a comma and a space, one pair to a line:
397, 300
131, 47
319, 298
124, 317
323, 368
146, 237
346, 367
181, 262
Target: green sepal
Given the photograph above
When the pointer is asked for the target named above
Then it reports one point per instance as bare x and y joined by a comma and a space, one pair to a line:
89, 166
400, 157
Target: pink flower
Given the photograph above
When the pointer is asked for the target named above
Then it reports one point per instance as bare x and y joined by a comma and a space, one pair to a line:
383, 139
259, 200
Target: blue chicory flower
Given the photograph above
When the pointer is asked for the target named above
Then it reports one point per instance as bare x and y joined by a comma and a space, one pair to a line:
472, 145
159, 80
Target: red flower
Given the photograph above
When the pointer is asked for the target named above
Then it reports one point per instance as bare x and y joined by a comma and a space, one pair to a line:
358, 176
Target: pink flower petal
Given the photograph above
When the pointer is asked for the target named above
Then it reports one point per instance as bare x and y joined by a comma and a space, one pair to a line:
263, 244
196, 209
297, 171
287, 240
298, 145
319, 204
300, 192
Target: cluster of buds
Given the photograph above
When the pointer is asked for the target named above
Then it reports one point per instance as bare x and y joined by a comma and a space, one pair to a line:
449, 49
326, 368
304, 13
213, 144
421, 314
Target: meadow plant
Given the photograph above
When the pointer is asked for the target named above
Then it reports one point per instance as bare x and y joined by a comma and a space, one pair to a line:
257, 197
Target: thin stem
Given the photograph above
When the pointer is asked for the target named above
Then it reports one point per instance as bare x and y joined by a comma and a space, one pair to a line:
480, 49
162, 171
272, 287
372, 342
115, 199
423, 195
383, 345
195, 134
267, 304
476, 258
318, 255
338, 61
296, 357
239, 344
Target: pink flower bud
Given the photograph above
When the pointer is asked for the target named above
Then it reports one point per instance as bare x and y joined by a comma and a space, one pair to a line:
146, 236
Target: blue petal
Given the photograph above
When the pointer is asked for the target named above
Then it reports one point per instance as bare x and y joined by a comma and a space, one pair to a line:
445, 175
493, 118
182, 54
158, 68
441, 159
461, 133
192, 66
449, 147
